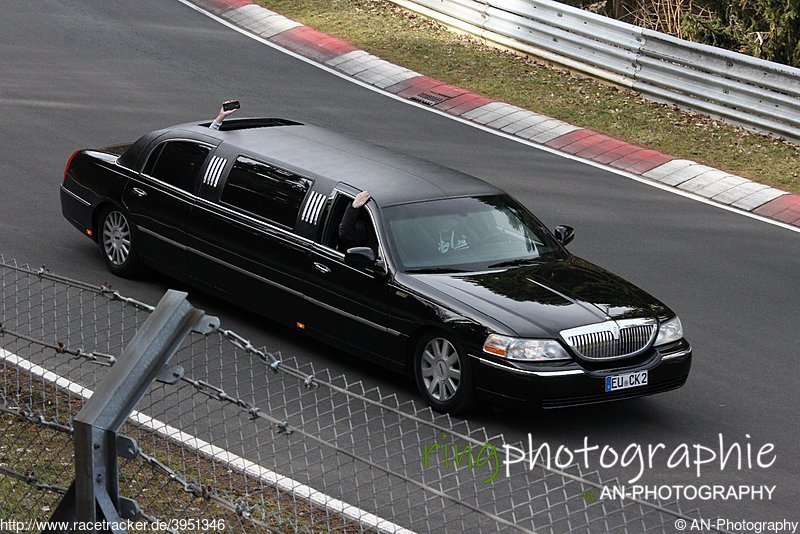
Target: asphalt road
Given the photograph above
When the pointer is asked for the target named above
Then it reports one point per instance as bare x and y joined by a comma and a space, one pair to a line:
90, 73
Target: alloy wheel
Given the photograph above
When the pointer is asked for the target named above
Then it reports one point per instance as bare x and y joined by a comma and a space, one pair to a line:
116, 238
441, 369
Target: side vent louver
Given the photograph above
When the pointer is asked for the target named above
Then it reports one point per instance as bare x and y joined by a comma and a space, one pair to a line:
214, 171
313, 208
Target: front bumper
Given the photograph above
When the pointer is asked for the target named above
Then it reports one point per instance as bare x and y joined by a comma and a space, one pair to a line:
573, 385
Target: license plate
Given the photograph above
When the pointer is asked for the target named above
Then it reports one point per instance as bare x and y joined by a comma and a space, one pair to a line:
629, 380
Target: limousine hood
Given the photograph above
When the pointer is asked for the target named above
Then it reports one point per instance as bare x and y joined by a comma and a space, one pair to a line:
540, 300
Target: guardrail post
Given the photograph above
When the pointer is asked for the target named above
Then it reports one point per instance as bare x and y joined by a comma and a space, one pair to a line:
93, 496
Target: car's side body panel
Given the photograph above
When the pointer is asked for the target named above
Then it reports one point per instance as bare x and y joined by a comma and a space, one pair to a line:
159, 213
243, 259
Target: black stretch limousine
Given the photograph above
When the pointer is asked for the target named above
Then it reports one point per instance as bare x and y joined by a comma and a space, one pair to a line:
455, 283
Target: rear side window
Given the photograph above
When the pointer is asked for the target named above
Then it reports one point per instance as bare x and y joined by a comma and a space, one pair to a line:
177, 163
265, 190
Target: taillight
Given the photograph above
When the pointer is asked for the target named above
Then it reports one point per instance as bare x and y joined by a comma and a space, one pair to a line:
69, 164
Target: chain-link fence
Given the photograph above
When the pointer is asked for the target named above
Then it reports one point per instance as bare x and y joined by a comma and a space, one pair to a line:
259, 442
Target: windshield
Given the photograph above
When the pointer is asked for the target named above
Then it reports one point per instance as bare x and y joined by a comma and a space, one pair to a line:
467, 234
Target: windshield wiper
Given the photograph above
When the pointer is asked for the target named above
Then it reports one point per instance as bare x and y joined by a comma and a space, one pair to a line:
435, 270
514, 263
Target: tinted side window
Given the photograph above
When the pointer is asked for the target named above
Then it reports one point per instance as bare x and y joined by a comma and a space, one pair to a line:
265, 190
358, 233
177, 163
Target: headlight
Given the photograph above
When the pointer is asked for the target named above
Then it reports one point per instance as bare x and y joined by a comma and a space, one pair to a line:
669, 331
530, 350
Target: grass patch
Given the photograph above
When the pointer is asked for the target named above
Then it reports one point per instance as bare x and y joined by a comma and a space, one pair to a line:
424, 46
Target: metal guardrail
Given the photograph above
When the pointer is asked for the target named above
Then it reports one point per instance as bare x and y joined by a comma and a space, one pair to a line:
240, 437
751, 92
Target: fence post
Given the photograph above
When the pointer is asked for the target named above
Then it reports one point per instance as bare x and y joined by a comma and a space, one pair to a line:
93, 496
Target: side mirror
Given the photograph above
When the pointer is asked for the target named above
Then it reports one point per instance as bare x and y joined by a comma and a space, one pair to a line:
359, 257
564, 234
364, 258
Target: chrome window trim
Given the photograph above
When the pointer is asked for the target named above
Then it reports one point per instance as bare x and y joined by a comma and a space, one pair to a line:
115, 170
171, 190
259, 222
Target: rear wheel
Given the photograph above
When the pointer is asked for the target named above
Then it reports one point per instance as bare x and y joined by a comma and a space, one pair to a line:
443, 374
117, 242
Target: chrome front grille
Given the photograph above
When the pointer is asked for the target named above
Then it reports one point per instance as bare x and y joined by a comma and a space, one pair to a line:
612, 339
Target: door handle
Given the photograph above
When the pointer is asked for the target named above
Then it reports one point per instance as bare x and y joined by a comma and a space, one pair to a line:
324, 269
139, 192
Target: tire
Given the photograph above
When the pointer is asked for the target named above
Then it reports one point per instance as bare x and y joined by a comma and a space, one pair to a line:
118, 243
443, 374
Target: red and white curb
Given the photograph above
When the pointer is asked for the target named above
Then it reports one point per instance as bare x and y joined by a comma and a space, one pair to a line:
687, 176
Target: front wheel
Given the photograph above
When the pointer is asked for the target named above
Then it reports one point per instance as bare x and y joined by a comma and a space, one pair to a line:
443, 374
117, 243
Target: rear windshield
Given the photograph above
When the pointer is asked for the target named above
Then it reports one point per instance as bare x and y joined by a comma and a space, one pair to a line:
132, 156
